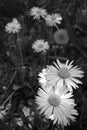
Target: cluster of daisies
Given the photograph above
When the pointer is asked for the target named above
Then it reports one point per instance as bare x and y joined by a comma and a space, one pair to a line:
55, 97
39, 45
60, 36
50, 19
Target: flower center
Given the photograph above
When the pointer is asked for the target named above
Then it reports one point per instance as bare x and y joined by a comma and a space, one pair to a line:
53, 18
64, 73
61, 37
40, 46
13, 27
54, 100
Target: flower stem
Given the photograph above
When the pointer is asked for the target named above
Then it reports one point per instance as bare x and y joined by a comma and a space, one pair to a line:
21, 56
57, 27
7, 99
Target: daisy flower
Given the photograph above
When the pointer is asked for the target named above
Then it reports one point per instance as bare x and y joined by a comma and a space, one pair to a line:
64, 73
61, 36
37, 12
52, 20
13, 27
57, 105
40, 46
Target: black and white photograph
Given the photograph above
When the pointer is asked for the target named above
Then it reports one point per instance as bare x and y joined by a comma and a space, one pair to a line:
43, 64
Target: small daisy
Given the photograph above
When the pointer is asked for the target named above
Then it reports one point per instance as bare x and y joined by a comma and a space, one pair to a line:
57, 105
61, 36
42, 78
37, 12
52, 20
66, 74
13, 27
40, 46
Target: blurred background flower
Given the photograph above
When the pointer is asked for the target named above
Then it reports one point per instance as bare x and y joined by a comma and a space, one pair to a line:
13, 27
40, 46
37, 12
61, 36
53, 20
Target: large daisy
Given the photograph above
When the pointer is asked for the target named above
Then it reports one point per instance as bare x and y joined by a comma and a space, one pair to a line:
57, 105
64, 73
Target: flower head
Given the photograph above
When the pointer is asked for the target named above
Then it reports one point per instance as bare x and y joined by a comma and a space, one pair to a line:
52, 20
40, 46
57, 105
61, 36
13, 27
64, 73
38, 12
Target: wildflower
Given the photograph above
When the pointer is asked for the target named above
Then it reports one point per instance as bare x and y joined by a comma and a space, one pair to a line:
61, 36
52, 20
64, 73
38, 12
42, 78
57, 105
26, 111
18, 121
13, 27
40, 46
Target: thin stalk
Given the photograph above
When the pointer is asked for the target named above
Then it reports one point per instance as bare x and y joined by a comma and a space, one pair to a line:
21, 56
7, 99
57, 27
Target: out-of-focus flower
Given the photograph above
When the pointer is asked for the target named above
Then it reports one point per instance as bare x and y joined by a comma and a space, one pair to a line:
57, 105
84, 11
42, 78
61, 36
64, 73
13, 27
19, 121
27, 113
40, 46
53, 20
37, 12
